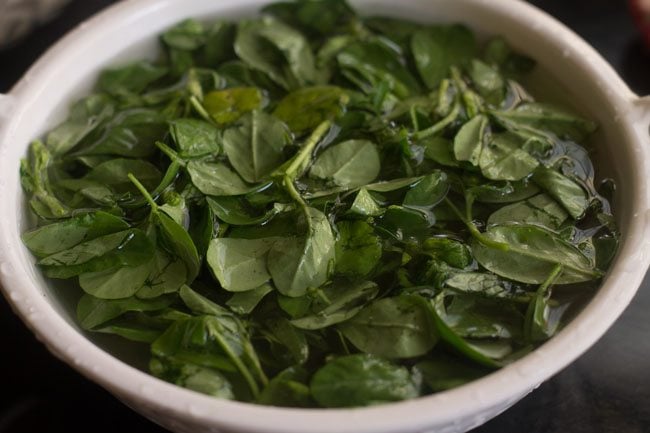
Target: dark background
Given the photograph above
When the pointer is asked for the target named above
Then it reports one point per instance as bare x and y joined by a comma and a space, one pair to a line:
606, 391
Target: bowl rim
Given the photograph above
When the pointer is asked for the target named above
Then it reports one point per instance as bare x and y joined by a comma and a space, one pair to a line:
507, 384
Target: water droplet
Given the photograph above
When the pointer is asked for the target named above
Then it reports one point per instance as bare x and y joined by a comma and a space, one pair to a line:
15, 296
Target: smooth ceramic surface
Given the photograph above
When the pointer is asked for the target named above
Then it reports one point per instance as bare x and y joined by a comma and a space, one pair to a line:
128, 30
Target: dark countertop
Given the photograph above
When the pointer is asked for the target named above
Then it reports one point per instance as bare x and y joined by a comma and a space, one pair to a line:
607, 390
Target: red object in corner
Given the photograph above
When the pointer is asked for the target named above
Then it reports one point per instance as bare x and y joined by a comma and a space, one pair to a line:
641, 13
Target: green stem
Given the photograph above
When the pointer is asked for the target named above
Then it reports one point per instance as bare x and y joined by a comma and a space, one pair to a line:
292, 171
144, 192
307, 149
198, 107
171, 153
287, 182
476, 234
557, 270
414, 118
248, 377
442, 124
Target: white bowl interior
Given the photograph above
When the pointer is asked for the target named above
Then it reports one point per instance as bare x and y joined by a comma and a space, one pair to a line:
129, 32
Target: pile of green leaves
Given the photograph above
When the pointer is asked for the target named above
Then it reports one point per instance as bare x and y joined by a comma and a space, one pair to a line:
311, 208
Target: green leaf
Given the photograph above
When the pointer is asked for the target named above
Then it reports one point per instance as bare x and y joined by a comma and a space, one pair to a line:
546, 117
132, 134
127, 248
92, 311
288, 389
186, 35
255, 145
238, 211
444, 372
403, 222
452, 252
504, 159
245, 302
392, 185
114, 173
358, 249
364, 204
396, 327
228, 105
115, 283
306, 108
195, 138
489, 353
532, 253
349, 164
199, 304
474, 317
427, 192
340, 301
291, 339
278, 50
240, 264
540, 209
35, 180
374, 62
191, 376
498, 52
130, 79
313, 17
64, 235
166, 275
299, 263
503, 191
215, 178
180, 244
219, 43
216, 342
437, 49
86, 116
488, 82
567, 192
479, 283
361, 380
468, 143
136, 326
440, 150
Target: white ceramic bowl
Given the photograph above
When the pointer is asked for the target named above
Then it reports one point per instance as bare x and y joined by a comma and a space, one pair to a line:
128, 30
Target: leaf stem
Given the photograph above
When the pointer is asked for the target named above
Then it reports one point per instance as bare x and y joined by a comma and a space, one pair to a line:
255, 390
198, 107
557, 270
414, 118
171, 153
292, 171
144, 192
307, 149
442, 124
291, 189
476, 234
